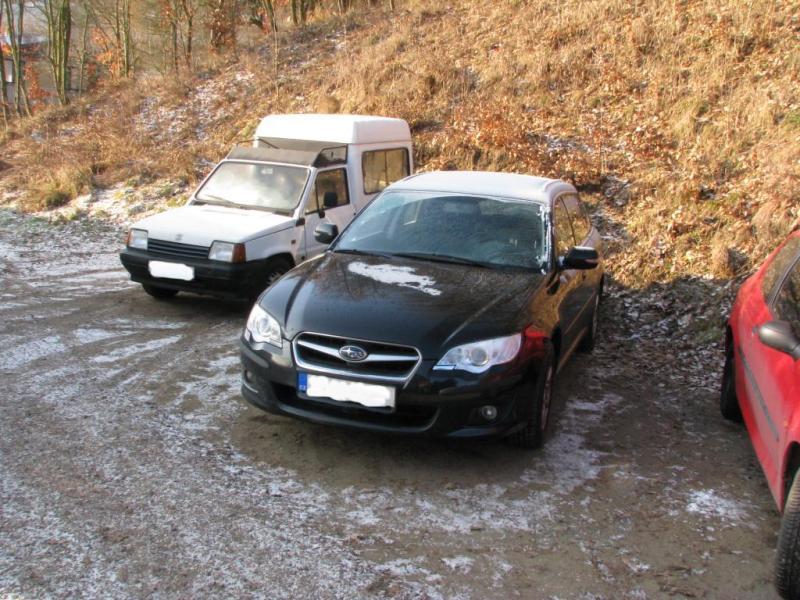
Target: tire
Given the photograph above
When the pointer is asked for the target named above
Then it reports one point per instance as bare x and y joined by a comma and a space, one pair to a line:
276, 269
532, 434
159, 293
728, 403
590, 337
787, 556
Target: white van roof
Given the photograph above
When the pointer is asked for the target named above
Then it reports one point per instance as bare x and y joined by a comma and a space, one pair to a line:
342, 129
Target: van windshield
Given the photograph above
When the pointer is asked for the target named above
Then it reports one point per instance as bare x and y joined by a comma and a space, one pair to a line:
263, 186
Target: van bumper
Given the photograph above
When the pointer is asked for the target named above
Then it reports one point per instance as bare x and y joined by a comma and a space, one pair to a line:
225, 280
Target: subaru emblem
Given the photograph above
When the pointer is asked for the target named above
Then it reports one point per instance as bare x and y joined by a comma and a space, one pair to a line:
353, 353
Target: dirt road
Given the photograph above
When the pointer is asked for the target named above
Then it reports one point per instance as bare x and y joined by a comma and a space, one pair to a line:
131, 467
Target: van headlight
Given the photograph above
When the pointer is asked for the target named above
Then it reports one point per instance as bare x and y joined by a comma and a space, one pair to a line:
137, 238
227, 252
478, 357
264, 328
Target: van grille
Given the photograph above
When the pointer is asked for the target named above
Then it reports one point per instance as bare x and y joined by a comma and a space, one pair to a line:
384, 362
175, 249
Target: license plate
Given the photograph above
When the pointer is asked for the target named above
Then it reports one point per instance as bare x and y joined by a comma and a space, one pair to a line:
366, 394
169, 270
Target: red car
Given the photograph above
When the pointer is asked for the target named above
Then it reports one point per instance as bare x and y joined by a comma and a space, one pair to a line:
761, 386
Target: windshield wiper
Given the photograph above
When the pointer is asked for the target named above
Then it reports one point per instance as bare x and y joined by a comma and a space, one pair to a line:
209, 199
362, 252
444, 258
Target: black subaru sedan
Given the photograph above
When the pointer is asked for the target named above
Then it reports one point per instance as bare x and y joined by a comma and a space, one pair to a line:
446, 307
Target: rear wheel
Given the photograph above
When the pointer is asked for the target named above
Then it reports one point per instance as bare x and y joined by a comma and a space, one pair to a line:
532, 434
787, 556
728, 403
159, 293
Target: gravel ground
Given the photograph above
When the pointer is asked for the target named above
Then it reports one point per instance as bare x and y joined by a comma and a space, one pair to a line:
131, 467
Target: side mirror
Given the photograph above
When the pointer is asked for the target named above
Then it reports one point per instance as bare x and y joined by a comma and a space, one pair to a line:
779, 336
325, 233
580, 257
330, 200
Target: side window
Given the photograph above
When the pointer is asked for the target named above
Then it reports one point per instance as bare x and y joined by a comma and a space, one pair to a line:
328, 181
778, 266
383, 167
580, 223
563, 230
787, 302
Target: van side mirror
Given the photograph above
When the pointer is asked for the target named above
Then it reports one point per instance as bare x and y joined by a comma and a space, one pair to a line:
779, 336
330, 200
580, 257
325, 233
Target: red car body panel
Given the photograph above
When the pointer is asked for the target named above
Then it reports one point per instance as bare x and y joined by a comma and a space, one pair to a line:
767, 384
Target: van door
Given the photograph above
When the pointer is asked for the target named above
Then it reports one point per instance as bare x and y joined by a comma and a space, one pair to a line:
333, 184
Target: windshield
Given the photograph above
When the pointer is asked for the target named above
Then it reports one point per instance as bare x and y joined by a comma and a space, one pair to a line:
429, 225
254, 185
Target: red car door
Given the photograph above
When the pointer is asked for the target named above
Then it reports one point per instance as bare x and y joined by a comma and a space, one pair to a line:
770, 376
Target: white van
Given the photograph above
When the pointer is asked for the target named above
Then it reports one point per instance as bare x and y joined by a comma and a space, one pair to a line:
253, 218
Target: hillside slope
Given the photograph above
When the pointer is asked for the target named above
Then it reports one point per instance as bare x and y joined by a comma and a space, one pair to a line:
679, 120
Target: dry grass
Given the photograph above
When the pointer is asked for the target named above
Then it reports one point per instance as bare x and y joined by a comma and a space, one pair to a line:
694, 102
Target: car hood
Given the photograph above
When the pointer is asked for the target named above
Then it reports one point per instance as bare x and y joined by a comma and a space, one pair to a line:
428, 305
202, 224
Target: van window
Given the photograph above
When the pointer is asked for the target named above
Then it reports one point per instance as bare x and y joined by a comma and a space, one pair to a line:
383, 167
328, 181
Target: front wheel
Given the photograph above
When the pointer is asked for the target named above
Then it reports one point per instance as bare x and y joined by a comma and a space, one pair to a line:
159, 293
787, 556
728, 403
532, 434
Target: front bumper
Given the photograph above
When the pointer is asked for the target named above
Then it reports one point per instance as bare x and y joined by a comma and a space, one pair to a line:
432, 403
228, 280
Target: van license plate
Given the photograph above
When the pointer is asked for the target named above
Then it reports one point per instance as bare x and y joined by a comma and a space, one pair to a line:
168, 270
366, 394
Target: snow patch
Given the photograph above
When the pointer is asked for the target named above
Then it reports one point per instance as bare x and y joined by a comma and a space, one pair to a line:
395, 275
710, 504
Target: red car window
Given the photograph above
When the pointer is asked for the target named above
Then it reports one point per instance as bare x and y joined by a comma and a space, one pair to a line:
787, 301
777, 267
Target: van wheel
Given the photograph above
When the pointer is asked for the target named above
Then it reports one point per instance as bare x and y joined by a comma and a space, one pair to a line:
787, 557
159, 293
532, 434
275, 270
728, 403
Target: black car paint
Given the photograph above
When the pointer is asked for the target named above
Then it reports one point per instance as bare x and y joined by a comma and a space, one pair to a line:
324, 296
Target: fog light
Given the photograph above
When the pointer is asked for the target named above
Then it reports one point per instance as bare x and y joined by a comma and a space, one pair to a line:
489, 412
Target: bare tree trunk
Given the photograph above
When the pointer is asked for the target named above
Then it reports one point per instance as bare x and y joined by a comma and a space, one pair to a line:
15, 30
58, 16
3, 94
84, 52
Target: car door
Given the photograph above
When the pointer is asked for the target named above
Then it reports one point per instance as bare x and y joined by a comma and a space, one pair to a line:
770, 376
566, 286
331, 180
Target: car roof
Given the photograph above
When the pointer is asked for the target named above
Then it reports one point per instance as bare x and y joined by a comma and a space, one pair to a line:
486, 183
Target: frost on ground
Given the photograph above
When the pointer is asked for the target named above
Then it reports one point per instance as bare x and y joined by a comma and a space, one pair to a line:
130, 467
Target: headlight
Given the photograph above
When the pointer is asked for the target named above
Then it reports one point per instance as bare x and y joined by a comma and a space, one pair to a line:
263, 327
137, 238
227, 252
478, 357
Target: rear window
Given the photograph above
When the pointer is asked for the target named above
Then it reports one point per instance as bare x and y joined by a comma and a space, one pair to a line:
779, 264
